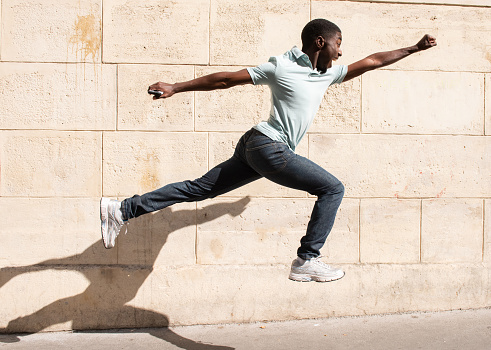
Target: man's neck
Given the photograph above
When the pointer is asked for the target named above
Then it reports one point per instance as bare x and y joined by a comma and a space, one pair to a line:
313, 56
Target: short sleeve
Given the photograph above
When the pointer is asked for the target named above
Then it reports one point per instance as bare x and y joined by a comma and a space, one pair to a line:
339, 73
263, 74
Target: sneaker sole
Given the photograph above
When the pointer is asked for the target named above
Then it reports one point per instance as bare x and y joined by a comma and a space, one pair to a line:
104, 221
308, 278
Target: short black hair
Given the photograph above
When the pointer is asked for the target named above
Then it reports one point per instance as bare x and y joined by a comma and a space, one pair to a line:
316, 27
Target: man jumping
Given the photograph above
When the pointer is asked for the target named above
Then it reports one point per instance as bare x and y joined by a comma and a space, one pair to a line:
298, 81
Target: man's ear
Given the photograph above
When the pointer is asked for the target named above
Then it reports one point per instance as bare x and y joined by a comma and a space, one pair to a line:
320, 42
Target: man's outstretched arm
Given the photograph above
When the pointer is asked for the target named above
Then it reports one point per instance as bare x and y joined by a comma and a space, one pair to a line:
222, 80
382, 59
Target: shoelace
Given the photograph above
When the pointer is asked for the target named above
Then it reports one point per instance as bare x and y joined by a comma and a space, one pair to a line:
121, 227
119, 224
124, 227
319, 262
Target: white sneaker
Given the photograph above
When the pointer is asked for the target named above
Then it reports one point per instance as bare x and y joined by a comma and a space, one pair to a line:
111, 221
314, 270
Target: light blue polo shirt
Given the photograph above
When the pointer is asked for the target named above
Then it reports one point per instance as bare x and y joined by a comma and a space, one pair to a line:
296, 94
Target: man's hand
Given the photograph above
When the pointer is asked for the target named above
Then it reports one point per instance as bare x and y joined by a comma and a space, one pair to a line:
167, 90
426, 42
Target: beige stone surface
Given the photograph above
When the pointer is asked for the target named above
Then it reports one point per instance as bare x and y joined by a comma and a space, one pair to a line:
51, 30
221, 148
139, 162
234, 109
340, 110
112, 297
405, 165
246, 293
57, 231
487, 104
423, 102
390, 231
452, 230
432, 287
382, 27
265, 216
170, 32
487, 231
0, 31
245, 32
268, 231
50, 164
70, 297
33, 298
482, 3
58, 96
163, 238
138, 111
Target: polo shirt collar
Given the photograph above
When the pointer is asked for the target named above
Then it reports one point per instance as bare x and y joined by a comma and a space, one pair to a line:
301, 57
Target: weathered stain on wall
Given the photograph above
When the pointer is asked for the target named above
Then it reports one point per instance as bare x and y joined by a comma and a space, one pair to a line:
86, 40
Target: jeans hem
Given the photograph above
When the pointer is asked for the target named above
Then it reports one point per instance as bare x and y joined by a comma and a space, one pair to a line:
123, 211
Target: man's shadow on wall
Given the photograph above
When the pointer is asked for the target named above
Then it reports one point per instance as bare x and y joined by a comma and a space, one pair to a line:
103, 304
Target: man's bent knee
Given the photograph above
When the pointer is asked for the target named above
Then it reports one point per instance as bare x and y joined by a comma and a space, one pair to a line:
331, 189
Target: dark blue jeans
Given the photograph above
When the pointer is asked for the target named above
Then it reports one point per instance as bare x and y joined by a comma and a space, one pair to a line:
256, 156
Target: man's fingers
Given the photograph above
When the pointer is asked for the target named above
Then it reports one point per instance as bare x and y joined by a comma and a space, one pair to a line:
160, 90
426, 42
153, 87
431, 40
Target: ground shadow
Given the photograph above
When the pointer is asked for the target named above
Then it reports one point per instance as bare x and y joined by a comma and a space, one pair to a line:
103, 304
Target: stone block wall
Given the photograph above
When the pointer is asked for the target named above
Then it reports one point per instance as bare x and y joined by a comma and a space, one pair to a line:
411, 143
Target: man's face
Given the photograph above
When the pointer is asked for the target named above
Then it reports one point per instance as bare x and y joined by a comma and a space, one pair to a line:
330, 52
